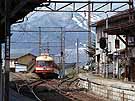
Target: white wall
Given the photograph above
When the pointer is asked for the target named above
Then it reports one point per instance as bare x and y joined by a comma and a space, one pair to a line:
20, 68
111, 39
12, 63
111, 47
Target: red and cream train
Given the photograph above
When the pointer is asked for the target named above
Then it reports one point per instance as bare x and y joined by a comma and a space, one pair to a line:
46, 66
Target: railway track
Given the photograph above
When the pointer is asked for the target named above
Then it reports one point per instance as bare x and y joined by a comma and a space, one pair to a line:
25, 85
52, 89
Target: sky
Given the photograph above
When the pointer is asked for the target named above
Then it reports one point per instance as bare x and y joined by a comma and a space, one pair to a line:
80, 22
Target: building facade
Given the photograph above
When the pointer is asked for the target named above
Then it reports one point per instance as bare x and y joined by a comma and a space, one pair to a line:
113, 60
24, 62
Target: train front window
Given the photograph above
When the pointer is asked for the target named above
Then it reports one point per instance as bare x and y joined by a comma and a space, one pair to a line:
44, 63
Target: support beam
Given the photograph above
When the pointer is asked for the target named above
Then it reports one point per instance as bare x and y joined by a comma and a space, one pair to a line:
119, 7
63, 6
122, 40
82, 7
17, 8
2, 8
131, 9
1, 71
101, 6
125, 41
7, 53
84, 4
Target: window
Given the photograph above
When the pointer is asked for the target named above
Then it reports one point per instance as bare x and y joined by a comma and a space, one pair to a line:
44, 63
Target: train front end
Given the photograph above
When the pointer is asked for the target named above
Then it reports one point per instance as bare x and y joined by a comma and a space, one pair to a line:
45, 65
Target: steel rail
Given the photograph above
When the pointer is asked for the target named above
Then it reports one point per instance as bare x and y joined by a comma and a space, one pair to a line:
27, 84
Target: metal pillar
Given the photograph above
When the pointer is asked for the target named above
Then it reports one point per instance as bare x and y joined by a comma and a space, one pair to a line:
131, 19
1, 71
7, 54
62, 53
39, 40
7, 67
106, 35
48, 47
89, 29
77, 64
127, 59
131, 8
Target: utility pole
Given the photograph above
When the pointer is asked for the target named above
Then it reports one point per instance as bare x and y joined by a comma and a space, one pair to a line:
62, 53
39, 40
77, 49
89, 29
48, 47
128, 49
106, 36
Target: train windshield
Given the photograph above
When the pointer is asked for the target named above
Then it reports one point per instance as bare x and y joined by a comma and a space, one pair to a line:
44, 63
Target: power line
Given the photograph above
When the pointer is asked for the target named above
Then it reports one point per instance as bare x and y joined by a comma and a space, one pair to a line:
48, 31
35, 42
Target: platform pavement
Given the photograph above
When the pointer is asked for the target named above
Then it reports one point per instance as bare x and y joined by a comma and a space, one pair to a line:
108, 82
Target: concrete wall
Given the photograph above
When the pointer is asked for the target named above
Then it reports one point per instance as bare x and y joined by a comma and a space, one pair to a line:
108, 92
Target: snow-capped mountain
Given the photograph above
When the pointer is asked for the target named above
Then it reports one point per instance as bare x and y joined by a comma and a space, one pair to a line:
50, 22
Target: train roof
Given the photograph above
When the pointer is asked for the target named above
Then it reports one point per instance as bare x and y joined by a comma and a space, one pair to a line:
44, 57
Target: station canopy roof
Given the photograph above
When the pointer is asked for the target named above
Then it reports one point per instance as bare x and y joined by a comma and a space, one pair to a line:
18, 9
124, 27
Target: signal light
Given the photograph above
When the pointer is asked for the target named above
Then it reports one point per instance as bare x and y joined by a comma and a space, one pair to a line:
117, 43
98, 57
102, 42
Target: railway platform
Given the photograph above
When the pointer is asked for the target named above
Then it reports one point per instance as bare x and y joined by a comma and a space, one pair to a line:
111, 89
108, 82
